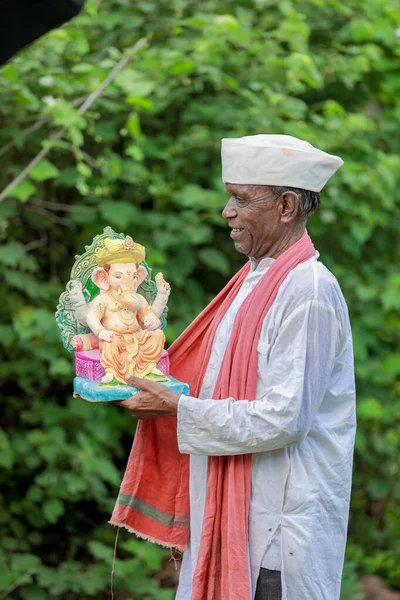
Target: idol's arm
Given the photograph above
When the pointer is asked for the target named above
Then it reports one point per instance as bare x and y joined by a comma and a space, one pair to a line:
95, 314
163, 292
147, 318
159, 304
299, 368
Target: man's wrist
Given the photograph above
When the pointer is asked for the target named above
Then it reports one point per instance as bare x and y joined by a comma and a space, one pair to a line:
173, 404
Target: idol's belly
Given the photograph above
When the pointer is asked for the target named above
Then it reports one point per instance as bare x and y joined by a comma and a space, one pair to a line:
124, 323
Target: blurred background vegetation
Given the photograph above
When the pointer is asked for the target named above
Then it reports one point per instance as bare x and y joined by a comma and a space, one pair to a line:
145, 159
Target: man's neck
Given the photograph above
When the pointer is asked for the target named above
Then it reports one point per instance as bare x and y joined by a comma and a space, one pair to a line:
280, 247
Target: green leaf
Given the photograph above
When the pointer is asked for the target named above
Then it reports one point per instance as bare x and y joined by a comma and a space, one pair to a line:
22, 191
361, 231
391, 366
34, 592
4, 443
370, 408
134, 83
52, 510
7, 457
152, 555
26, 562
108, 471
182, 67
68, 177
194, 197
43, 170
135, 152
61, 367
214, 259
120, 214
12, 254
133, 124
75, 484
100, 551
7, 335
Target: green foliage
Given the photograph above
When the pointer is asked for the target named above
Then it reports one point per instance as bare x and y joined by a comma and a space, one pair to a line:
145, 160
351, 588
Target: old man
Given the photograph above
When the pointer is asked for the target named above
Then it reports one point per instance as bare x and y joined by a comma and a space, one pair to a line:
269, 425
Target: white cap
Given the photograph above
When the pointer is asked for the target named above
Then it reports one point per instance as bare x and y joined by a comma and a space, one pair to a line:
276, 160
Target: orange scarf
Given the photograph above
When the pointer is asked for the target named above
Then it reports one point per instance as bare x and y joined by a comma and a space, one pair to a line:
154, 496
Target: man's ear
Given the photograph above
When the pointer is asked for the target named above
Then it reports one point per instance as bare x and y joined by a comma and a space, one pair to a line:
100, 278
141, 274
290, 205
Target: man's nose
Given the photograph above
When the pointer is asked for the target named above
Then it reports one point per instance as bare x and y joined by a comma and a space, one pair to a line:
229, 211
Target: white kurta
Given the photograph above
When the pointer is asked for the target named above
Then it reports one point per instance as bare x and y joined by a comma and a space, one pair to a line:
300, 430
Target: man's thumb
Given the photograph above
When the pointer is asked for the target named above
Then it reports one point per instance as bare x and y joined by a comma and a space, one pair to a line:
134, 381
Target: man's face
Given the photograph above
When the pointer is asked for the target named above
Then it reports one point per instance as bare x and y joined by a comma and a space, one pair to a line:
254, 216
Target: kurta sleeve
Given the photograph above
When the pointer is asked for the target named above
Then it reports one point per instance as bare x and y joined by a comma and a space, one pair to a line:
301, 359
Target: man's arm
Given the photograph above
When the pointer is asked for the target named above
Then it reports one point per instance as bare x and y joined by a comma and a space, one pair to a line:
300, 365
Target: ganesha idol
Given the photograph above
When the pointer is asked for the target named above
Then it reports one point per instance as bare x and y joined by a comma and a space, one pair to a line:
128, 328
112, 316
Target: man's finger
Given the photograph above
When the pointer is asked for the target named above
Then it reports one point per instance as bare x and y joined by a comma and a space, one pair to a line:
138, 382
130, 403
146, 385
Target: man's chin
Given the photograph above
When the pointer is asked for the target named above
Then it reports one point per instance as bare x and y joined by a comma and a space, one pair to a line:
241, 248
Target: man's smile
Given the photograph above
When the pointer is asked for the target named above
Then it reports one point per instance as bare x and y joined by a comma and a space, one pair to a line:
236, 232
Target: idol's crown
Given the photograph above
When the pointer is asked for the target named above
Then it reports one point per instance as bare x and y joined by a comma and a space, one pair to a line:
119, 251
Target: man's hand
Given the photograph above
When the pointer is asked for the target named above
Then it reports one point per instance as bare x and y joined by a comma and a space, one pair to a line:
153, 400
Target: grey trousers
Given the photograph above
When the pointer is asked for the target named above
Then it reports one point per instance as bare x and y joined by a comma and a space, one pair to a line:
269, 586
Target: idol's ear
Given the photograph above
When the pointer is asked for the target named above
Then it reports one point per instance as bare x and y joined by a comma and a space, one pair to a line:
141, 274
100, 278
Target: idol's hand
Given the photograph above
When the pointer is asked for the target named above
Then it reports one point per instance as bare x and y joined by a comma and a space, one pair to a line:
153, 399
151, 322
163, 287
106, 335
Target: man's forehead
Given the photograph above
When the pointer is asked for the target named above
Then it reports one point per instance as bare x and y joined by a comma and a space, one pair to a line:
235, 187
